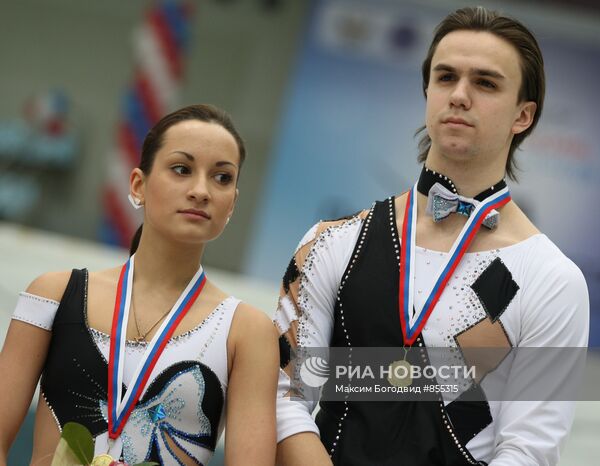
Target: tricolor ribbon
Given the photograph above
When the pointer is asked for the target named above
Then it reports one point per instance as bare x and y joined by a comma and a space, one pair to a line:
412, 323
120, 408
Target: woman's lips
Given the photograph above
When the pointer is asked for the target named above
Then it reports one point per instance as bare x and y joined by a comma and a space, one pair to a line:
195, 214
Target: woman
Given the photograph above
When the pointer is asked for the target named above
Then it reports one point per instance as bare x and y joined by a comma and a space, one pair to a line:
146, 360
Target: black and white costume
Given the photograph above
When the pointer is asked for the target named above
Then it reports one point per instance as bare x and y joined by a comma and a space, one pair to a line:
341, 289
185, 399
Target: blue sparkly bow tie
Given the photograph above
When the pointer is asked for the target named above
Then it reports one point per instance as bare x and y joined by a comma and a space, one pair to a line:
441, 202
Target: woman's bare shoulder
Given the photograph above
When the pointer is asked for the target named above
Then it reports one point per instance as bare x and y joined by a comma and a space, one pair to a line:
247, 314
50, 285
250, 323
106, 276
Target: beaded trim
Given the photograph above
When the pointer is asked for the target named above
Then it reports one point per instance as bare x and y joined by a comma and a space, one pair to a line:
221, 310
43, 319
426, 181
102, 336
31, 322
426, 184
355, 255
85, 290
40, 299
302, 302
477, 323
51, 411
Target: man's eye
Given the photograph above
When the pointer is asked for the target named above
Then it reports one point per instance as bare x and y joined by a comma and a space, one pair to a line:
224, 178
446, 77
181, 169
486, 83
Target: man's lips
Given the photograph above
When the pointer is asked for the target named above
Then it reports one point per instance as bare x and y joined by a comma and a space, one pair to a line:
455, 121
195, 213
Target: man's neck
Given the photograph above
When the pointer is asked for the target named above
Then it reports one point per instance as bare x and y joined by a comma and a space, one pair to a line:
468, 178
159, 261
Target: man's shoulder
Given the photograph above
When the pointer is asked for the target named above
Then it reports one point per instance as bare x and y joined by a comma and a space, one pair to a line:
333, 229
515, 224
359, 216
356, 217
545, 263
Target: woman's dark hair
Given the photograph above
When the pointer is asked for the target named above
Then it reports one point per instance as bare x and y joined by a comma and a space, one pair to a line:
155, 138
533, 80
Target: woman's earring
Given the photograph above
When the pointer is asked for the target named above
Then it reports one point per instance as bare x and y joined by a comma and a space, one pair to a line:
135, 202
227, 221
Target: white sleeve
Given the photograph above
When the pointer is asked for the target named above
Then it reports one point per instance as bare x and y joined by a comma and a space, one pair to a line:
554, 313
35, 310
305, 312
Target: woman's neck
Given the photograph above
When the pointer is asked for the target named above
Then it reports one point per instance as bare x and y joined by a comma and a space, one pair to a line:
164, 263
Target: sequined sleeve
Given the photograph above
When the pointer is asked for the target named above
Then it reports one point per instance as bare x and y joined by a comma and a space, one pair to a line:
35, 310
304, 315
554, 312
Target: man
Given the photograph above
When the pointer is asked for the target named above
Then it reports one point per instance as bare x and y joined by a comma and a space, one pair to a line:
372, 280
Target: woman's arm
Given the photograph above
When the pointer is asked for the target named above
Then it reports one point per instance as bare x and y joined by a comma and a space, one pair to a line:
250, 437
302, 449
21, 361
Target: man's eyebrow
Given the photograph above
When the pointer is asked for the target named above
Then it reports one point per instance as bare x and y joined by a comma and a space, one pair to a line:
474, 71
443, 67
485, 72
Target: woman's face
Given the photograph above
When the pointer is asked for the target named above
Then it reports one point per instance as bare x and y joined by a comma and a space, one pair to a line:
190, 191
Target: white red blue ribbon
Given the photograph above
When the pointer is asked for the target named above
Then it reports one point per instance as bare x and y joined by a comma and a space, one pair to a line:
119, 408
412, 323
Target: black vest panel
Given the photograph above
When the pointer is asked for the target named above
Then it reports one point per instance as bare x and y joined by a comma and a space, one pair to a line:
363, 433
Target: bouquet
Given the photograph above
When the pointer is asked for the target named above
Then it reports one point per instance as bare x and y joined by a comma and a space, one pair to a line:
76, 448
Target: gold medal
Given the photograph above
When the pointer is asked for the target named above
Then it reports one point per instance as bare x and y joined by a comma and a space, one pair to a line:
102, 460
399, 374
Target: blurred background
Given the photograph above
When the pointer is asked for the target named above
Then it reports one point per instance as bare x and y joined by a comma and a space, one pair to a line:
327, 95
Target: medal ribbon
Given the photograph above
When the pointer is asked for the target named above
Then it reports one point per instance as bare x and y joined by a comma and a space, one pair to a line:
119, 410
412, 324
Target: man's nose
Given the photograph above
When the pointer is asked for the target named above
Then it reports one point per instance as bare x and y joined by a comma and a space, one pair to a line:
460, 96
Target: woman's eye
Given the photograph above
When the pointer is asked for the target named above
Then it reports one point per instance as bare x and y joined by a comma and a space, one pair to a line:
181, 169
224, 178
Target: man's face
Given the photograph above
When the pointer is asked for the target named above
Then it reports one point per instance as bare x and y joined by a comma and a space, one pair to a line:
472, 97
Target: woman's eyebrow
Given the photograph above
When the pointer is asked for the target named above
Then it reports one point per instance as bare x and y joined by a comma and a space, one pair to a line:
225, 162
190, 157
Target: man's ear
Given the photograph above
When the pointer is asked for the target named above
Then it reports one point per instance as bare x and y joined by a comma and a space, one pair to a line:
524, 117
137, 181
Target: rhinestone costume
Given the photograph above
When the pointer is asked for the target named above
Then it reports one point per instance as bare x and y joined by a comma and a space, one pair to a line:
185, 400
341, 290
